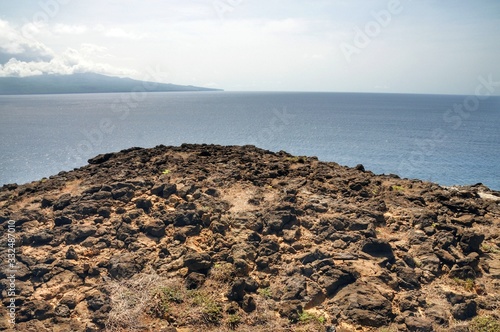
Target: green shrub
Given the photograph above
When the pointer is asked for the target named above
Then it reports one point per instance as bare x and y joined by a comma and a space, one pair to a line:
233, 321
210, 308
484, 324
307, 317
265, 292
397, 188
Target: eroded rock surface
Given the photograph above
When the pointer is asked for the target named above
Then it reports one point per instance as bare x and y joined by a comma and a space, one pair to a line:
257, 240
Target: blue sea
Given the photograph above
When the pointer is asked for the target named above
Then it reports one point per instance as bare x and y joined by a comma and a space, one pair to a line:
448, 139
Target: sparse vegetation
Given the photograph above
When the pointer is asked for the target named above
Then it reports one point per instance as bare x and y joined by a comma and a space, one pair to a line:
490, 248
265, 292
165, 171
233, 321
484, 324
468, 284
222, 272
307, 317
158, 297
397, 188
211, 309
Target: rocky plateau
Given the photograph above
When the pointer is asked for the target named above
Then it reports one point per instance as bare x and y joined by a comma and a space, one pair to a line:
236, 238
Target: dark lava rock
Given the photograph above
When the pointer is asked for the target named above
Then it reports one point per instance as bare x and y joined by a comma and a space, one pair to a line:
41, 238
362, 304
248, 304
268, 247
195, 280
464, 272
123, 266
99, 159
418, 324
62, 220
291, 310
333, 279
71, 253
144, 203
470, 241
463, 311
62, 310
155, 228
62, 202
438, 315
237, 291
377, 247
198, 262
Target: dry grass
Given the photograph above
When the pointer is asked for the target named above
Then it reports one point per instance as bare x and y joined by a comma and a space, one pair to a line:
130, 300
148, 299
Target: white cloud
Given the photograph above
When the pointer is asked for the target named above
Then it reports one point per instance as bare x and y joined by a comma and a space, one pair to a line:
70, 29
121, 33
69, 62
288, 25
13, 43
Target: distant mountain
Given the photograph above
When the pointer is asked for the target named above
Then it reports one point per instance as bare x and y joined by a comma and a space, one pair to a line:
84, 83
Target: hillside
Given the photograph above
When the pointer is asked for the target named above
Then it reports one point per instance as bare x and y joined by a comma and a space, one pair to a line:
213, 238
84, 83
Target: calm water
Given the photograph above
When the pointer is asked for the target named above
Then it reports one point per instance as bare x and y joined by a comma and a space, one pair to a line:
416, 136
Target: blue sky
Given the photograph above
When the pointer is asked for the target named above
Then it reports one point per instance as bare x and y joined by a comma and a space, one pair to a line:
404, 46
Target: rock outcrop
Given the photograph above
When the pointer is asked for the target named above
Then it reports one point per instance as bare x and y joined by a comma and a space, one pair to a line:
212, 238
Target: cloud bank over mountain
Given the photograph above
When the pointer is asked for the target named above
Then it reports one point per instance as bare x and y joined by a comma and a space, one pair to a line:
21, 54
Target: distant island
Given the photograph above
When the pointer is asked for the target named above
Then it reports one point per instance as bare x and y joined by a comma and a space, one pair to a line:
84, 83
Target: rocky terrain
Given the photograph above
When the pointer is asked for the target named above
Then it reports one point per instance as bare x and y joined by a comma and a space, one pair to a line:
212, 238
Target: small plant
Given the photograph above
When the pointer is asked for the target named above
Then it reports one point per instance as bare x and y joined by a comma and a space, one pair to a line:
468, 284
398, 188
222, 272
307, 317
165, 171
163, 298
484, 324
488, 248
211, 309
265, 292
233, 321
172, 294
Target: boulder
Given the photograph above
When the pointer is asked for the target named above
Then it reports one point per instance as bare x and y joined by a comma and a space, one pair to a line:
333, 279
195, 280
155, 228
198, 262
463, 311
362, 304
418, 324
377, 247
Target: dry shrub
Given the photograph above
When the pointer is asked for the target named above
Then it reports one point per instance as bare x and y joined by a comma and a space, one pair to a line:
131, 300
148, 295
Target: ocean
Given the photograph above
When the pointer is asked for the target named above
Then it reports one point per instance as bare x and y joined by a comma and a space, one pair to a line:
448, 139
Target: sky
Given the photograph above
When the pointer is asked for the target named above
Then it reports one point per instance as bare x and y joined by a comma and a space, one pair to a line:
393, 46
